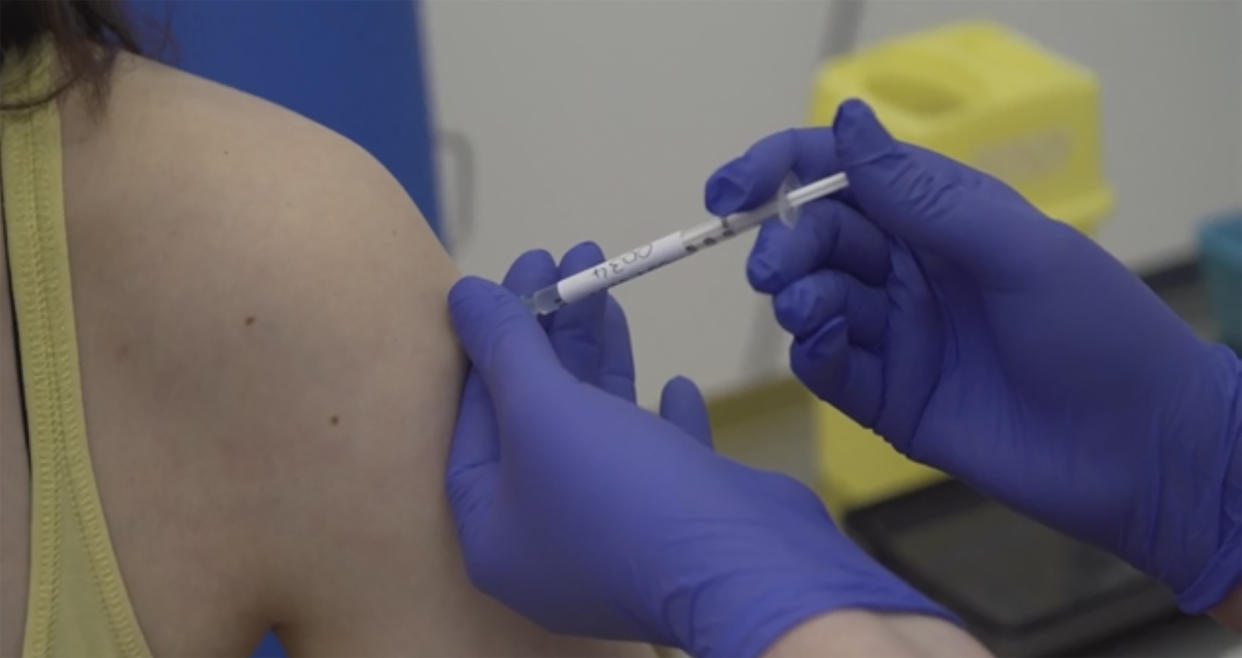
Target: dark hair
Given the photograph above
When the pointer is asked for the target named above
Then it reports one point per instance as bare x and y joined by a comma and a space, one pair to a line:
87, 34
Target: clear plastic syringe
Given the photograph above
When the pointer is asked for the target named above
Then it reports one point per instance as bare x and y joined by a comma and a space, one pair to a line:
678, 245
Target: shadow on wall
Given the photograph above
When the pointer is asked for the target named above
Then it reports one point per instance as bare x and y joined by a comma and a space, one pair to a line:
355, 67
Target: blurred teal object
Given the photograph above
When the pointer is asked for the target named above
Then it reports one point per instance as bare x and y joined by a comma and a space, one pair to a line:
1220, 259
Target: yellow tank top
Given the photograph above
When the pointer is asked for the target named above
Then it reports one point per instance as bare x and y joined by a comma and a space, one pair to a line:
77, 605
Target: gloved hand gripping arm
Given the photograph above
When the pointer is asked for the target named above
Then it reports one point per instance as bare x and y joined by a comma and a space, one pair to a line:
592, 516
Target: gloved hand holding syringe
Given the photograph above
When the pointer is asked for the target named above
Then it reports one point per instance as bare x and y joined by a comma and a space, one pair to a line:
679, 244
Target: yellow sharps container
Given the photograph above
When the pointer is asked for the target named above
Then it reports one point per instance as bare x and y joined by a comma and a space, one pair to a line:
987, 96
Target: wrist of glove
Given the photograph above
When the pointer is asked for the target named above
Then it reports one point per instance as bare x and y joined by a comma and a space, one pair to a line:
1192, 538
733, 592
746, 612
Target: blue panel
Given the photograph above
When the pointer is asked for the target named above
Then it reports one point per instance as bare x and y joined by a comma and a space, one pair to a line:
354, 66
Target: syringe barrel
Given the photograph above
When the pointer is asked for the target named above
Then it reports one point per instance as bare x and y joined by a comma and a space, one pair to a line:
622, 268
676, 246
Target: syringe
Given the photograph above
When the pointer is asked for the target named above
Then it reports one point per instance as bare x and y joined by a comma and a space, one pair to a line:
678, 245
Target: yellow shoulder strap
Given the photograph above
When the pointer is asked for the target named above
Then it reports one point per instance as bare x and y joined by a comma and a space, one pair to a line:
77, 603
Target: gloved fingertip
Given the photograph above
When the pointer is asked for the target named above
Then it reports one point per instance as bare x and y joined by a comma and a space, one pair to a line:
484, 315
723, 196
761, 274
468, 296
859, 136
681, 384
579, 257
468, 287
587, 252
681, 403
727, 190
794, 306
531, 271
533, 256
763, 270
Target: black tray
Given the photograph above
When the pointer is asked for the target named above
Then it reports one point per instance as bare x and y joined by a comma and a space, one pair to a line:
1021, 587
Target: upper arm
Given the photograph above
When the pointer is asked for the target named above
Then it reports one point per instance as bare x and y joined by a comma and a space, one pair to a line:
351, 378
365, 560
286, 306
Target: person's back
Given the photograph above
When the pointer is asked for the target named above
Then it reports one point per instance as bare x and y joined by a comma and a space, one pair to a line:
268, 380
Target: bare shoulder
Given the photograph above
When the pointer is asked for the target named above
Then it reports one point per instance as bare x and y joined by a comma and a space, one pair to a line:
264, 347
201, 165
270, 379
243, 206
248, 271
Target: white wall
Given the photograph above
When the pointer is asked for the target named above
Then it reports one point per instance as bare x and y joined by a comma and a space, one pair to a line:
601, 119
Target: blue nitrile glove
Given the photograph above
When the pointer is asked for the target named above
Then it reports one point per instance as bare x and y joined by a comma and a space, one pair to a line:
931, 303
595, 517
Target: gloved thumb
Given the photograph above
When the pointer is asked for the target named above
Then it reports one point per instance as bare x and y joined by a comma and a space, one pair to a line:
504, 341
681, 404
926, 199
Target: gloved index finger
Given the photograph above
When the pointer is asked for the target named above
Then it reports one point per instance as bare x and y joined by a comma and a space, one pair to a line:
752, 179
577, 330
682, 404
532, 270
617, 363
504, 342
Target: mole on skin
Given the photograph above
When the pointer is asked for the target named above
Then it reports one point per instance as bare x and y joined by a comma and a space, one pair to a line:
334, 420
249, 320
